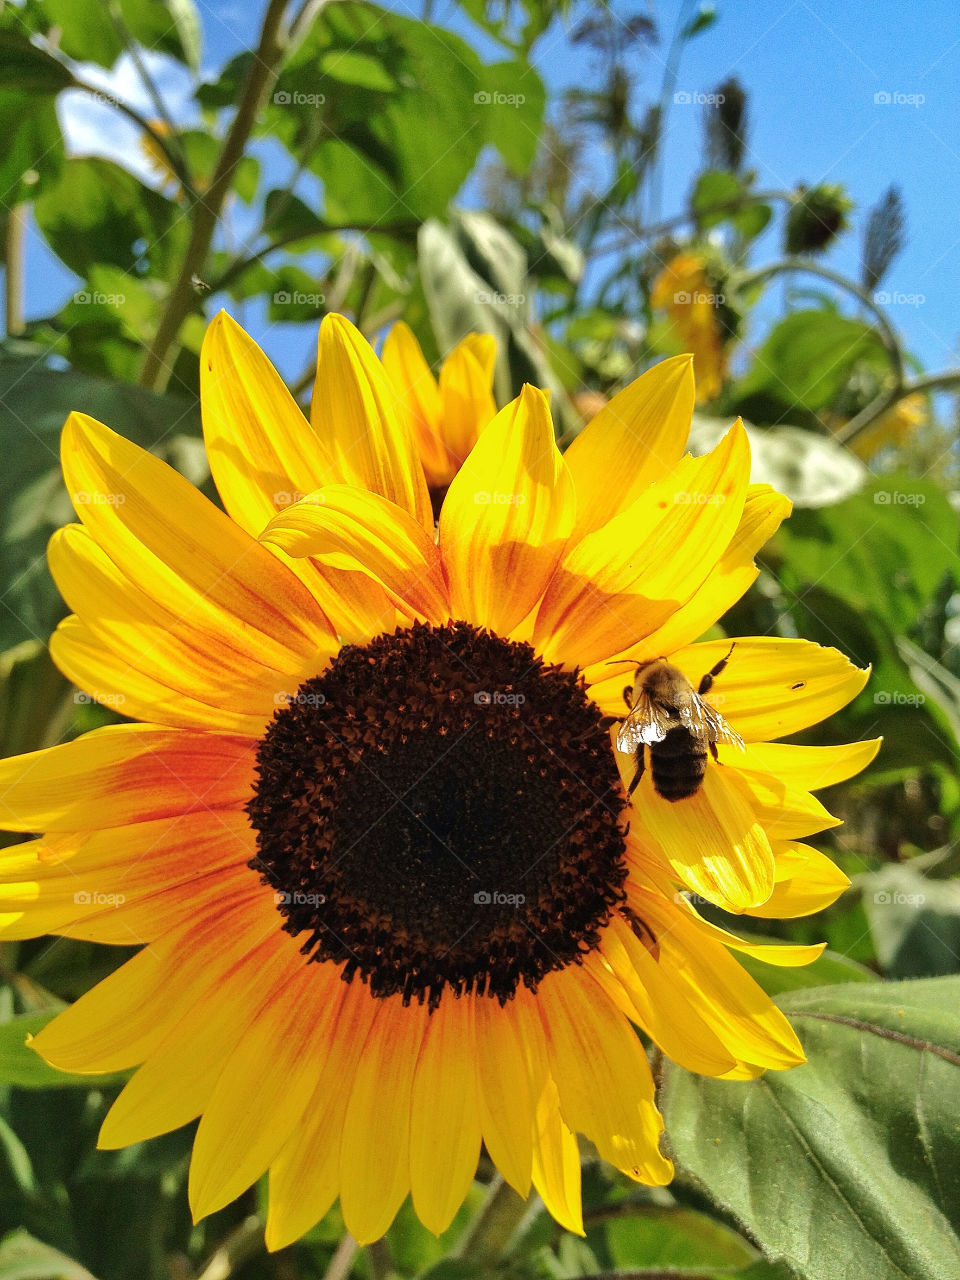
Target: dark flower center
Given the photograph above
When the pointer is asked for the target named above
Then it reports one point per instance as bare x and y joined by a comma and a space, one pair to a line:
441, 810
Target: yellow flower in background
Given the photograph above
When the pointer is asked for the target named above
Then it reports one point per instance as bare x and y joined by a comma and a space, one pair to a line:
445, 415
893, 428
367, 820
157, 158
685, 291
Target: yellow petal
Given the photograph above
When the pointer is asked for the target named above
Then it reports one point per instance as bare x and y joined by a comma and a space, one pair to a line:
713, 984
305, 1176
468, 403
445, 1116
123, 1019
556, 1162
734, 573
116, 681
354, 529
260, 447
623, 581
174, 543
354, 412
506, 1099
807, 881
771, 687
659, 1003
506, 517
634, 440
207, 657
375, 1148
804, 768
177, 1080
124, 773
248, 1117
783, 955
711, 840
602, 1075
783, 811
419, 400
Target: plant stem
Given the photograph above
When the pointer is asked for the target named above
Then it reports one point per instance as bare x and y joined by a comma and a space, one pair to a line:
946, 380
206, 212
887, 333
241, 1245
339, 1265
486, 1238
381, 1264
13, 253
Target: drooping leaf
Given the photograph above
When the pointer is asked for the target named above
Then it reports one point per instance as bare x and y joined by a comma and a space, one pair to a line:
847, 1168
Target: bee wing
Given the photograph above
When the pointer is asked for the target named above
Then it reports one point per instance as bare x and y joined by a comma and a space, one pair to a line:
647, 722
707, 722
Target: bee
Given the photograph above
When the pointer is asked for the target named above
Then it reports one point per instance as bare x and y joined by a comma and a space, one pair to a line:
670, 717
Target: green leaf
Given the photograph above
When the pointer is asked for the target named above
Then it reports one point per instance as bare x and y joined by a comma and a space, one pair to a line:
168, 26
665, 1238
886, 549
22, 1257
806, 361
87, 32
98, 212
847, 1168
25, 67
513, 101
22, 1066
33, 150
914, 921
34, 402
394, 155
714, 187
811, 469
360, 69
827, 970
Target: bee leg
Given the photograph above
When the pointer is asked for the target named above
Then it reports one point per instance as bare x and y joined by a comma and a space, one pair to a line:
713, 751
628, 695
707, 682
638, 775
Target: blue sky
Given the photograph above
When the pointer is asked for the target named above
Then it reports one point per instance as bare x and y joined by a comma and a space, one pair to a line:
812, 71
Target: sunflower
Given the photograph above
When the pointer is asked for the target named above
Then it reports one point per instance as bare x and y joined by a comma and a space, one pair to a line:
445, 415
686, 292
368, 822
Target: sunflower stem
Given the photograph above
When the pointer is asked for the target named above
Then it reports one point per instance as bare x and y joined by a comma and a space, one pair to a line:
261, 76
487, 1237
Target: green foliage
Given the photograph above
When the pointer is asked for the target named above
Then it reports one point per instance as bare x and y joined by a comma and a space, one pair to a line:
845, 1168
